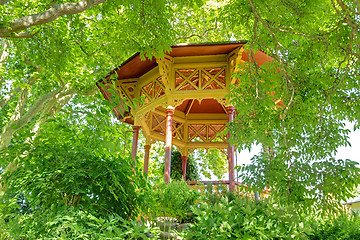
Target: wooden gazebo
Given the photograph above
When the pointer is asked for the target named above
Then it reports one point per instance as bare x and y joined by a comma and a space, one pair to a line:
182, 98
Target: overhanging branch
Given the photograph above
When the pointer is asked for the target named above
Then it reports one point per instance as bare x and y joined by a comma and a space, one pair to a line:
47, 16
22, 35
2, 2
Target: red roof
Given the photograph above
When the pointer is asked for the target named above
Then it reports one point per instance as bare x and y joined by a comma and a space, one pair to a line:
134, 67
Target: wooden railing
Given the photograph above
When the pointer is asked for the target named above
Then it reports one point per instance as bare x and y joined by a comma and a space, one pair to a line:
191, 183
201, 185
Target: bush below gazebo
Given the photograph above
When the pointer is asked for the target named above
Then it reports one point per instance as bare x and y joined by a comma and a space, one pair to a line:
212, 214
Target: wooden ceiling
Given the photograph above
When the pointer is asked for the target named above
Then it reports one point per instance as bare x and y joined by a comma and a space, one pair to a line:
206, 106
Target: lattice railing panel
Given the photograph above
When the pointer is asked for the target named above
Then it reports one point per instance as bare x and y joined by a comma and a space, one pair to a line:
213, 78
178, 131
157, 123
206, 132
200, 78
187, 79
187, 132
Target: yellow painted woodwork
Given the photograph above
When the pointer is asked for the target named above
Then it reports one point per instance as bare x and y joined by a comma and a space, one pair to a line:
175, 80
221, 58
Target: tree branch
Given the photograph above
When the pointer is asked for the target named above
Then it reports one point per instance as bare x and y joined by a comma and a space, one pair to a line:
56, 105
37, 106
346, 16
2, 2
3, 50
31, 63
295, 33
13, 126
266, 25
19, 109
47, 16
89, 92
11, 94
74, 112
21, 35
52, 108
357, 4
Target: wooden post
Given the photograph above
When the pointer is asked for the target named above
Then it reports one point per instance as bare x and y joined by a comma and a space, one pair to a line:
168, 142
147, 156
230, 114
184, 165
135, 142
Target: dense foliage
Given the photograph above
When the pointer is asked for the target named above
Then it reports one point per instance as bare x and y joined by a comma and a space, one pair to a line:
317, 186
212, 162
54, 175
296, 106
243, 218
71, 182
342, 227
192, 171
201, 162
173, 200
72, 223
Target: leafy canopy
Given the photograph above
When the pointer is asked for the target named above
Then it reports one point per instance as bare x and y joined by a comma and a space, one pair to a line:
296, 106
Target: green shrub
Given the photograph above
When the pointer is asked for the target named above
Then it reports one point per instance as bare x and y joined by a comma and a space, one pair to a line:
75, 223
343, 227
214, 193
192, 170
173, 200
49, 179
73, 199
63, 185
242, 218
